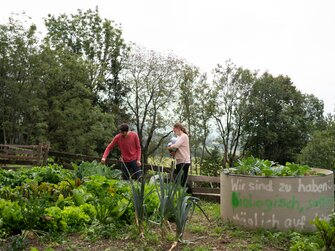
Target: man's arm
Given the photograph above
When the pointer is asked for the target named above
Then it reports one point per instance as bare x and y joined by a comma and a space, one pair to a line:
138, 148
108, 149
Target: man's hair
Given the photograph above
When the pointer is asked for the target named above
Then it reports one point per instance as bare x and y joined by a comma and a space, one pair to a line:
124, 127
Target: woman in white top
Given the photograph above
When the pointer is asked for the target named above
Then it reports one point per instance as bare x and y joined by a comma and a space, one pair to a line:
182, 155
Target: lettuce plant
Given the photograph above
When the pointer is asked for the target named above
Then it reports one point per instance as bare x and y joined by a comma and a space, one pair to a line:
10, 215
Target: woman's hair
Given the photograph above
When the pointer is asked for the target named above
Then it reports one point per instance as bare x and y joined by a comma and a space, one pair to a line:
180, 126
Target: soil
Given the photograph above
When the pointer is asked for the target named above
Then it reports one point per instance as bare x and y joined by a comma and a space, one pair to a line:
205, 240
200, 235
191, 242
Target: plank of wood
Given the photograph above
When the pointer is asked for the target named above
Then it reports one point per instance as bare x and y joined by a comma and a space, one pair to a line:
19, 157
208, 196
18, 162
204, 190
198, 178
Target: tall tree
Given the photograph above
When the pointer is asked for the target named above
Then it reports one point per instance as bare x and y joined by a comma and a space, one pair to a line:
313, 109
195, 107
99, 41
320, 149
185, 109
74, 124
232, 88
152, 80
279, 119
18, 47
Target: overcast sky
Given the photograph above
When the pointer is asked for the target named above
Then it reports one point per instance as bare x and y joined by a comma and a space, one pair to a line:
289, 37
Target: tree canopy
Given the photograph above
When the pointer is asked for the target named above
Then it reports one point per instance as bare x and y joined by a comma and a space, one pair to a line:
76, 84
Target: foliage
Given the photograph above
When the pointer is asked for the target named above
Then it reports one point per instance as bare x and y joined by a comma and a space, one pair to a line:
18, 111
51, 173
98, 42
211, 163
33, 209
166, 190
175, 203
86, 169
184, 206
54, 220
232, 89
319, 151
110, 198
11, 217
46, 95
326, 230
139, 196
279, 119
78, 217
8, 177
258, 167
152, 78
219, 235
304, 243
74, 123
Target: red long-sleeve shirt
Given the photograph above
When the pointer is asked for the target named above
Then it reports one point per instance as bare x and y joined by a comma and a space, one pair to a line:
129, 146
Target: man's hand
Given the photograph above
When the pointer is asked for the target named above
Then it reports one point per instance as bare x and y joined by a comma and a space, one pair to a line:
138, 163
103, 161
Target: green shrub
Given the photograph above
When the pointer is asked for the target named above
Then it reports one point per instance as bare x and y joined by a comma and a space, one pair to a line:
212, 164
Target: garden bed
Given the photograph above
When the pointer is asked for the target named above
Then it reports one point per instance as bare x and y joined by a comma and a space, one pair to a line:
277, 202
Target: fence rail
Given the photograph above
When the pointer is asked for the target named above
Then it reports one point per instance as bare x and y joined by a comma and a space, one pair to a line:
24, 154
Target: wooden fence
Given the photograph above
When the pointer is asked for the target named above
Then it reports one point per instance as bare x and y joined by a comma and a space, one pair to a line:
24, 154
205, 187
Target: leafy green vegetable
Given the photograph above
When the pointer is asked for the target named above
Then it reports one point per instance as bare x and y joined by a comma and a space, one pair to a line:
258, 167
10, 215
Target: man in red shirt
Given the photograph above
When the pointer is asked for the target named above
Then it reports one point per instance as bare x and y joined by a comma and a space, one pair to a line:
130, 147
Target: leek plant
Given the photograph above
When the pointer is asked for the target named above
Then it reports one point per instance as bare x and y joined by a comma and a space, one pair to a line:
166, 190
139, 196
184, 204
175, 203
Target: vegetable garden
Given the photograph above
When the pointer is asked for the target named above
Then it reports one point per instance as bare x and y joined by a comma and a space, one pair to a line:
91, 208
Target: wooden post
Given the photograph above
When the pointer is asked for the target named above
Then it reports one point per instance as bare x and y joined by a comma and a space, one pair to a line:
173, 165
46, 147
39, 154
